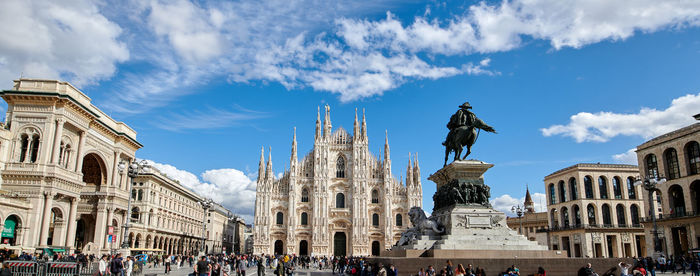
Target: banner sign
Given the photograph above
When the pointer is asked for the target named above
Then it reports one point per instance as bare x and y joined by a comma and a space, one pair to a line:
110, 230
9, 230
109, 239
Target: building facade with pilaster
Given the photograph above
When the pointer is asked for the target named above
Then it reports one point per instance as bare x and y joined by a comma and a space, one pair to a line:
676, 157
340, 199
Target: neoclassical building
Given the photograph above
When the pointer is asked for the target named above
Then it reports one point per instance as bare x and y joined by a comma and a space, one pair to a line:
340, 199
60, 186
676, 157
595, 210
60, 182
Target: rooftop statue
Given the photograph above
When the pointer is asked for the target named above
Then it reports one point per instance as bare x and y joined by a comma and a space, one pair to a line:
464, 129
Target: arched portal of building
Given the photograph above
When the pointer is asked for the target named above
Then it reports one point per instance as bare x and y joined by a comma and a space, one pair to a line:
375, 248
10, 231
303, 248
93, 170
279, 247
339, 244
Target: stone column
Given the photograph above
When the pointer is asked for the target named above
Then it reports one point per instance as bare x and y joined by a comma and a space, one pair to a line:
57, 141
79, 157
110, 217
46, 221
101, 225
70, 236
115, 167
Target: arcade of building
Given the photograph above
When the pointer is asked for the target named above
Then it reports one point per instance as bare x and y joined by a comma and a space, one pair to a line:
61, 186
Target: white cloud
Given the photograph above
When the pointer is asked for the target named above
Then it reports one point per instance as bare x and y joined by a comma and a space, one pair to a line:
648, 123
207, 118
70, 40
505, 202
230, 187
628, 157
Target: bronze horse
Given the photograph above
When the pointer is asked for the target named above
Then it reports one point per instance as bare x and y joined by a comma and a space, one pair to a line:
463, 136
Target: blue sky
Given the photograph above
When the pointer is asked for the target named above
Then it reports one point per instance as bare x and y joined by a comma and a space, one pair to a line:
207, 83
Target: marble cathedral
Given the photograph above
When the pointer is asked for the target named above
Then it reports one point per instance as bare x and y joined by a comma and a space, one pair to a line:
339, 199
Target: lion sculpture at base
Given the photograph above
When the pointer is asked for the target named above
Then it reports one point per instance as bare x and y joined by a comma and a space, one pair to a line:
422, 225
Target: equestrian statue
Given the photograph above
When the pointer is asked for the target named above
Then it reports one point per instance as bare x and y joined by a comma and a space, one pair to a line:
464, 129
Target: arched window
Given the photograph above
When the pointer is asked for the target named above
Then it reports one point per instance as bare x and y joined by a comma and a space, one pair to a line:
375, 219
140, 195
304, 219
607, 221
671, 159
603, 187
340, 167
280, 218
677, 202
399, 220
375, 196
565, 216
552, 194
631, 193
134, 192
588, 186
35, 149
651, 166
23, 148
621, 215
634, 213
339, 200
577, 215
617, 188
304, 195
562, 191
135, 216
692, 154
573, 188
591, 214
554, 218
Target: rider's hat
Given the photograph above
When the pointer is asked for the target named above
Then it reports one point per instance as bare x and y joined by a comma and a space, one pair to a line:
465, 105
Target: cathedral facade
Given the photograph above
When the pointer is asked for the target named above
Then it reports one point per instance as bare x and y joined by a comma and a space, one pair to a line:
339, 199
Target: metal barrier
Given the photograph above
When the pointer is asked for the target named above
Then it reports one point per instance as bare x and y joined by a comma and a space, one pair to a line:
23, 268
89, 269
61, 269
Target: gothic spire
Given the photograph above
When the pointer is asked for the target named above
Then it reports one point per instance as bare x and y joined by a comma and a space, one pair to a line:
318, 122
409, 172
386, 145
261, 165
364, 126
416, 170
268, 171
355, 128
294, 148
327, 122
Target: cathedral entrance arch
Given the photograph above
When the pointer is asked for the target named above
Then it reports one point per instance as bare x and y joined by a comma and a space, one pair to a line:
375, 248
10, 230
339, 243
279, 247
303, 248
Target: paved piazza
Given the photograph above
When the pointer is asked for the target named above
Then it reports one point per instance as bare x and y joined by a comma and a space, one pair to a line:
252, 271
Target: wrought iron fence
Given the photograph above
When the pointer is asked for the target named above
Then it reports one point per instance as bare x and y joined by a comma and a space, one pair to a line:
42, 268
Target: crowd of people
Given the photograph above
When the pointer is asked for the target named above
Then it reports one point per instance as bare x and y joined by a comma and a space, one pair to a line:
287, 265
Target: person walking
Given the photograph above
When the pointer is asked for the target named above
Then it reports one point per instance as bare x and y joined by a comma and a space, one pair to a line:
242, 266
624, 269
102, 266
261, 267
202, 267
116, 266
129, 266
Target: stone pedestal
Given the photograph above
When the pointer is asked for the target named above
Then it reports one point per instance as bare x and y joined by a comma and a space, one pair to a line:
471, 226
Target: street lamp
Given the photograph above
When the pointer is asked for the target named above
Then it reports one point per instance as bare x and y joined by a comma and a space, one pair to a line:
649, 183
134, 169
518, 210
206, 204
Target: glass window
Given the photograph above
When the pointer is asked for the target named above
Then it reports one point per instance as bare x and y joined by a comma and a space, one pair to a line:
573, 188
621, 215
672, 169
588, 185
280, 218
375, 219
652, 166
565, 216
634, 212
375, 196
304, 219
591, 214
304, 195
631, 193
552, 195
617, 189
340, 200
606, 215
562, 191
340, 167
603, 187
399, 220
577, 215
693, 155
